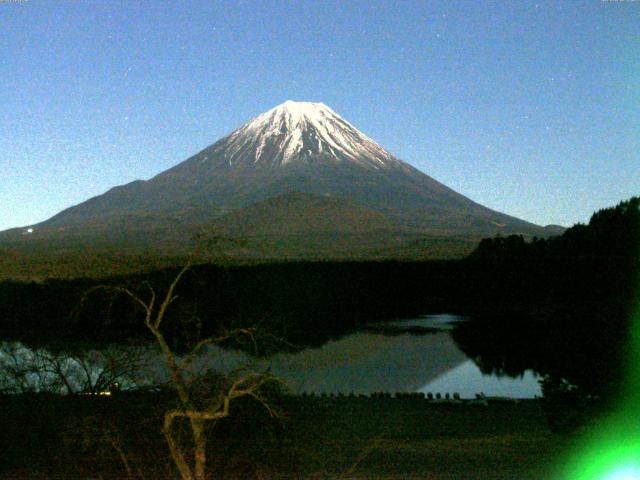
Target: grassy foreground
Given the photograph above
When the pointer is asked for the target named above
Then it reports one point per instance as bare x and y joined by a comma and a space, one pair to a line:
46, 437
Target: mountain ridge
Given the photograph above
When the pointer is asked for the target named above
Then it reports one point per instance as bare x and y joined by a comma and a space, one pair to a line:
294, 147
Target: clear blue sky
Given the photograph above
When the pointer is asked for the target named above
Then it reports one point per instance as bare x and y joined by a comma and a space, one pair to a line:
528, 107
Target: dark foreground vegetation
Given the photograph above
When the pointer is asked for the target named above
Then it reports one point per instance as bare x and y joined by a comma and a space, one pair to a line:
321, 437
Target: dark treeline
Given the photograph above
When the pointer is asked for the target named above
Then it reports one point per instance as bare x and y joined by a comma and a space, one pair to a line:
306, 302
579, 292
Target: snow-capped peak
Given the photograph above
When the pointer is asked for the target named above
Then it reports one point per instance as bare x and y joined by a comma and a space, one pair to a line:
304, 109
303, 132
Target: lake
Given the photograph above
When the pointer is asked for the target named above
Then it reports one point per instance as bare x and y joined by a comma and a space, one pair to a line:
419, 356
414, 355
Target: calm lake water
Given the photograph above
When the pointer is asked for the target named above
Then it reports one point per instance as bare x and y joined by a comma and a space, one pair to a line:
417, 355
367, 362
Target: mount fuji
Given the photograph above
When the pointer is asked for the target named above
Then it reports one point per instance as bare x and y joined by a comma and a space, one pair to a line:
297, 175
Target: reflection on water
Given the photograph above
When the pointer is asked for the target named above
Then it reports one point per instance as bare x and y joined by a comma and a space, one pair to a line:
467, 380
366, 362
443, 321
426, 360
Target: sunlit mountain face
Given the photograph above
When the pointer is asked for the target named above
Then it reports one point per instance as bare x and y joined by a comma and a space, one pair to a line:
294, 171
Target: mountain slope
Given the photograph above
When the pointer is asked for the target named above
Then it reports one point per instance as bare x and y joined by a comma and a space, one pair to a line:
301, 213
297, 147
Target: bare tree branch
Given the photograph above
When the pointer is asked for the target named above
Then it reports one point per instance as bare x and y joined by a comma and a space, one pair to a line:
197, 412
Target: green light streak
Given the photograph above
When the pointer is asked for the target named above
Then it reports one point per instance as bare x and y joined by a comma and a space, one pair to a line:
624, 473
612, 451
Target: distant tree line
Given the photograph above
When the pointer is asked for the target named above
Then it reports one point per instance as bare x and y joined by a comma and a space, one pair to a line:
305, 302
612, 235
576, 295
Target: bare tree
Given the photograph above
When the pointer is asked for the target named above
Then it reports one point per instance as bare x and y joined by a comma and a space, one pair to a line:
196, 404
68, 371
15, 374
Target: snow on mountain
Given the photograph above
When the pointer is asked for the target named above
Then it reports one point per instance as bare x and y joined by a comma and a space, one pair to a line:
298, 131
